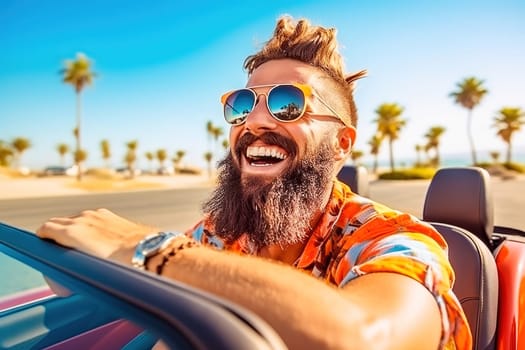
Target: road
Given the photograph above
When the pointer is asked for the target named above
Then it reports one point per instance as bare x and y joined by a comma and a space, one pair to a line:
508, 198
179, 209
176, 209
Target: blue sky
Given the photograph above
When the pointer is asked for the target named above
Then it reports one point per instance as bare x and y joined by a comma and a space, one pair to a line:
161, 68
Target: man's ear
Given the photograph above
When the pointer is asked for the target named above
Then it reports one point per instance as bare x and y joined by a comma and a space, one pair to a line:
345, 141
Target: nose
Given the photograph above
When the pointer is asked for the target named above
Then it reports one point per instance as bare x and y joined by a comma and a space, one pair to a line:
260, 119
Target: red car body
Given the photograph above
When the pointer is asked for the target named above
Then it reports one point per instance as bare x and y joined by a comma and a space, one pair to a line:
510, 260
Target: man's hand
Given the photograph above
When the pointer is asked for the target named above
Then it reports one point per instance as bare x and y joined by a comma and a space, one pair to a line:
98, 232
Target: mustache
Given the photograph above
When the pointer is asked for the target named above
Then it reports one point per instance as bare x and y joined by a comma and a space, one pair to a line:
270, 138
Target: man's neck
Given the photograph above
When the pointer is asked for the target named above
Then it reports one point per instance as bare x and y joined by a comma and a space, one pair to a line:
287, 255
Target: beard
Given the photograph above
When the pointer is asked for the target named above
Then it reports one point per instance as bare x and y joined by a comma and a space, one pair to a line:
276, 212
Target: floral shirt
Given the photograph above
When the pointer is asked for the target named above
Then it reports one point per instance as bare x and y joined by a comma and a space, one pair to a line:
356, 236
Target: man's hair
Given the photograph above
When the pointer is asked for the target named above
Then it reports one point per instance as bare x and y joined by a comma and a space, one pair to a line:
313, 45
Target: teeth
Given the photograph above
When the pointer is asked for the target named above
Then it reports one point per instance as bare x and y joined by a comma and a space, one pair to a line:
264, 152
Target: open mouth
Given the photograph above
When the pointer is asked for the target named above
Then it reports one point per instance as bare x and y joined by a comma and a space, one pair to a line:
265, 155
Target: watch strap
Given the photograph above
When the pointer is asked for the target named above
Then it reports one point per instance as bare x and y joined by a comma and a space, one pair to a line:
152, 245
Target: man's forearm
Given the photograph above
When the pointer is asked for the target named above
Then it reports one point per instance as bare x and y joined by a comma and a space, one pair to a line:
377, 311
306, 312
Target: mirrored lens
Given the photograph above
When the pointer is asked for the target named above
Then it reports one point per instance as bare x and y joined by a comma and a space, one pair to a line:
286, 102
238, 105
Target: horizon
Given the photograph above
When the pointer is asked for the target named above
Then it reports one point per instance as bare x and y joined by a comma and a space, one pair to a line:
157, 63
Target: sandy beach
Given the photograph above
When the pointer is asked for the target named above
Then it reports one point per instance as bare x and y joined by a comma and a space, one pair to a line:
30, 187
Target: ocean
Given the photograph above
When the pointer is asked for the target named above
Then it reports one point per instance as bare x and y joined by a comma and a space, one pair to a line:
447, 160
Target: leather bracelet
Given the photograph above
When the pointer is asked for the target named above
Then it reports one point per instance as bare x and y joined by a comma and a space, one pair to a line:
150, 246
170, 253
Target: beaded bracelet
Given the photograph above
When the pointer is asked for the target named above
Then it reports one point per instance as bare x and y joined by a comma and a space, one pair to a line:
170, 253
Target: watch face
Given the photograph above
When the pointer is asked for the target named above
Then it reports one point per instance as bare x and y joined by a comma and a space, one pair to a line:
153, 242
151, 245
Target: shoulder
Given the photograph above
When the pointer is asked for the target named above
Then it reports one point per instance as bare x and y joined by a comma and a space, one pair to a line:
372, 219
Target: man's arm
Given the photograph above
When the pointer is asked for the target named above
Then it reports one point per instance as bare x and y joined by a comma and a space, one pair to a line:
379, 310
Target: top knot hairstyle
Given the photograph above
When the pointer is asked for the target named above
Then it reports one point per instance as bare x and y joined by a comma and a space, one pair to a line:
313, 45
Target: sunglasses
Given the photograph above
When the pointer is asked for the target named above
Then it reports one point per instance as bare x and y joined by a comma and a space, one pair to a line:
285, 102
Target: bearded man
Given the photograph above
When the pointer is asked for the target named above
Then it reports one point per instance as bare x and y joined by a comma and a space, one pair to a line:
280, 235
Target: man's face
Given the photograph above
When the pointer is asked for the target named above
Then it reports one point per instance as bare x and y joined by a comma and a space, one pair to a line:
273, 198
303, 135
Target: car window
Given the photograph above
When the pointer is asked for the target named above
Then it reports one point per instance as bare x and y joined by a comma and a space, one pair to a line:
41, 310
97, 304
18, 277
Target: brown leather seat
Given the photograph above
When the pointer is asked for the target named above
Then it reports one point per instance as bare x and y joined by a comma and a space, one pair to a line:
459, 205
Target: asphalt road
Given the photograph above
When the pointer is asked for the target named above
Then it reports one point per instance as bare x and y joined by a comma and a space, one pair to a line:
409, 196
176, 209
179, 209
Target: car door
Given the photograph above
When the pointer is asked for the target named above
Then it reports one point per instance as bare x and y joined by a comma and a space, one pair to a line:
73, 300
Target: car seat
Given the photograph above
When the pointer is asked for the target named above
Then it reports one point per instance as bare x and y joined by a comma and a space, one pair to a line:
356, 177
459, 205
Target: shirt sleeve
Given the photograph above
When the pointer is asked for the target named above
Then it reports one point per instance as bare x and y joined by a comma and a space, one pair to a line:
418, 255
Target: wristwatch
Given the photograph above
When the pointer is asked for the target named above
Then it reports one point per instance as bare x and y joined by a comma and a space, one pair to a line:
152, 245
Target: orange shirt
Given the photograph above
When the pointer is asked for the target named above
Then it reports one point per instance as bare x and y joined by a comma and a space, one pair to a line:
356, 236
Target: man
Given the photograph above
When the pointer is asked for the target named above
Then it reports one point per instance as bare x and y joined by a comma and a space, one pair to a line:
279, 217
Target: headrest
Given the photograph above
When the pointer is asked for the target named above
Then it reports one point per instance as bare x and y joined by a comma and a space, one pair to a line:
356, 177
461, 196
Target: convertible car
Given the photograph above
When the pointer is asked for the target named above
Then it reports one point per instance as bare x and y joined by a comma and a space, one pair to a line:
80, 302
77, 301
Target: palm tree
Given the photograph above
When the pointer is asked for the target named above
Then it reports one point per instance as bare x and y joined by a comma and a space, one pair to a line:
6, 153
433, 135
80, 157
469, 94
161, 157
131, 157
209, 133
62, 149
180, 154
389, 124
106, 152
494, 155
418, 149
208, 156
225, 144
149, 156
507, 122
78, 73
356, 155
216, 133
375, 146
20, 145
177, 159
